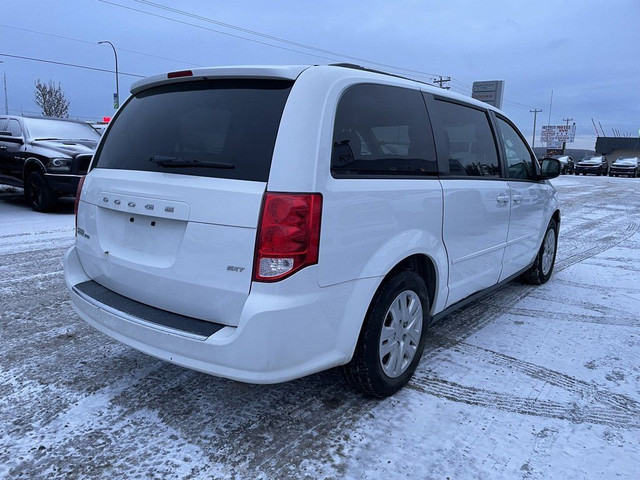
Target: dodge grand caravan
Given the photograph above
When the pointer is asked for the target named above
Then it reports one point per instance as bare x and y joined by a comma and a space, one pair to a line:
265, 223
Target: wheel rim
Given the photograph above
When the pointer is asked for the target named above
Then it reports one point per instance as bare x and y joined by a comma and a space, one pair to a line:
548, 251
401, 332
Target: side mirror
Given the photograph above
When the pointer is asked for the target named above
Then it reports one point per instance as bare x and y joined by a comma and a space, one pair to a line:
8, 137
550, 168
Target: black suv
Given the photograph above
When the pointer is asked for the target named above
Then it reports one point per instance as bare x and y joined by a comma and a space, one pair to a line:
45, 156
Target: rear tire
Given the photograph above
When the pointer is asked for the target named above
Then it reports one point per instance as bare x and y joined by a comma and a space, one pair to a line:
39, 194
392, 338
542, 268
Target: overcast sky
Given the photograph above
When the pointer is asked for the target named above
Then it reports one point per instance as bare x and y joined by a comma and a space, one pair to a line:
586, 51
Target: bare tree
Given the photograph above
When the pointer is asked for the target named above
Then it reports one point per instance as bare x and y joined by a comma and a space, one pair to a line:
51, 100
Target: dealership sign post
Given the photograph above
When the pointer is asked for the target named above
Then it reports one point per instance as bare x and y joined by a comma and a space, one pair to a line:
489, 92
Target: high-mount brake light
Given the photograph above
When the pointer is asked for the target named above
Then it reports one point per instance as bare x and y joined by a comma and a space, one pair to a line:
75, 207
181, 73
288, 235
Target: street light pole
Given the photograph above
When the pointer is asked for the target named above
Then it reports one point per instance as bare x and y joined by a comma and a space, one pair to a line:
116, 101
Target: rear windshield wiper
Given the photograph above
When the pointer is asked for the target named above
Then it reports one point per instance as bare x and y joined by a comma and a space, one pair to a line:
169, 162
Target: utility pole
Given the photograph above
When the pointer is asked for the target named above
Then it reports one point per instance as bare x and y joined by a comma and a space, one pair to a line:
441, 81
535, 116
564, 144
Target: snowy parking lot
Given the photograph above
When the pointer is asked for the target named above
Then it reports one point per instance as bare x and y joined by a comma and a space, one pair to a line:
530, 382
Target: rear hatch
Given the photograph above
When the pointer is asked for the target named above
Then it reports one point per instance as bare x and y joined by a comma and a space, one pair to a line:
169, 211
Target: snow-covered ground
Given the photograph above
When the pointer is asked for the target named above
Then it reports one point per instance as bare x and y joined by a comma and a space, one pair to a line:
531, 382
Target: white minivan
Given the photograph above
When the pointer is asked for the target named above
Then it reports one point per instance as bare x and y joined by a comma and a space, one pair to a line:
266, 223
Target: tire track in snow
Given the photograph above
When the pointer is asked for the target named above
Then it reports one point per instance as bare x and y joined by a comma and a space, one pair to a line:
573, 412
606, 243
617, 320
593, 404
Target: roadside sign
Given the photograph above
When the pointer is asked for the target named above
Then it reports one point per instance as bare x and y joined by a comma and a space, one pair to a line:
558, 133
489, 92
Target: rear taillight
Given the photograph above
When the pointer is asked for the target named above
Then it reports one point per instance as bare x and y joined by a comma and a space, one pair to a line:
288, 235
75, 208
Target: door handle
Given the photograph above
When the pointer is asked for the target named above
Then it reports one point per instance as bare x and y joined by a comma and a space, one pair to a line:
518, 198
503, 198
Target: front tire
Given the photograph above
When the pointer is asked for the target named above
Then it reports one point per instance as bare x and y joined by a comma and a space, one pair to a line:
542, 268
392, 338
39, 194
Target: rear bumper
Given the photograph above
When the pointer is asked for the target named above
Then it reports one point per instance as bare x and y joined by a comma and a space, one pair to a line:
278, 338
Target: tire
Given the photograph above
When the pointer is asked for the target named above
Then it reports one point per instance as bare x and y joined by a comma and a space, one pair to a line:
39, 194
542, 268
395, 324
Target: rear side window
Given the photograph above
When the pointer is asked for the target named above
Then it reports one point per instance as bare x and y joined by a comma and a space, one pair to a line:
211, 128
469, 142
382, 131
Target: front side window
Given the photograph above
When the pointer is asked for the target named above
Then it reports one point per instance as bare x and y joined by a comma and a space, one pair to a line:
469, 141
520, 163
382, 131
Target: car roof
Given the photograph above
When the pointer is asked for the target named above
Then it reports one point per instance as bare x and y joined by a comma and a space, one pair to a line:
292, 72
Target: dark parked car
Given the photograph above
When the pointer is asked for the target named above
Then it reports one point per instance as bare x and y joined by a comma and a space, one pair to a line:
566, 164
624, 166
597, 164
45, 156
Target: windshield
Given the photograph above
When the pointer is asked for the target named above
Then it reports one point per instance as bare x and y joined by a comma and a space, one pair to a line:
46, 128
212, 128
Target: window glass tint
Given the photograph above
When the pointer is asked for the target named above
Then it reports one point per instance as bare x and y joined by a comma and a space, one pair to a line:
3, 124
519, 159
14, 127
468, 139
213, 128
382, 130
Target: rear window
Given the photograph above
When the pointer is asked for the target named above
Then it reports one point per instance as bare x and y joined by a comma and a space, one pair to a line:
211, 128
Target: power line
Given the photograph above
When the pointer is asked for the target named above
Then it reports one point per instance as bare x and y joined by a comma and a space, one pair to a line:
85, 67
273, 37
321, 53
324, 54
94, 43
